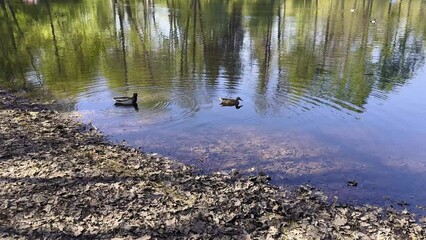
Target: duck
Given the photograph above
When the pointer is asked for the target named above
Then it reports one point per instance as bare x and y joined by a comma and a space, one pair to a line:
373, 21
230, 101
126, 100
352, 10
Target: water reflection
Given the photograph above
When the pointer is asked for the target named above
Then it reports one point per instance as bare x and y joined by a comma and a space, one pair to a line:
328, 95
318, 54
134, 106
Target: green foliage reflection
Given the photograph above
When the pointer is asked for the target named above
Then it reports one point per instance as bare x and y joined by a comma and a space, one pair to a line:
318, 48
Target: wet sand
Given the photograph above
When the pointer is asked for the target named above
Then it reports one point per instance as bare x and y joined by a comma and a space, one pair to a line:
62, 179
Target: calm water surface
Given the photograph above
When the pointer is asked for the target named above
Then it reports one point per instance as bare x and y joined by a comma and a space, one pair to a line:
328, 96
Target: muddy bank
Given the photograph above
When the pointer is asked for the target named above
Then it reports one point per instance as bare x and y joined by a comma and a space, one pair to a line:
60, 179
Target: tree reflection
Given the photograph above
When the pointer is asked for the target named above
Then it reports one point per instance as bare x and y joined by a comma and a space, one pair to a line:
55, 41
315, 51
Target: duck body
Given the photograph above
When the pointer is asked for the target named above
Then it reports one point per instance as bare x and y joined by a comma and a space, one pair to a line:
230, 101
126, 100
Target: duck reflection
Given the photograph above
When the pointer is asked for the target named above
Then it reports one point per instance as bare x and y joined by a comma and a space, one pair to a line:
135, 106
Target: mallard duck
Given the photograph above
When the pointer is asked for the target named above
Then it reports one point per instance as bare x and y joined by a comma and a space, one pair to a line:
230, 101
126, 100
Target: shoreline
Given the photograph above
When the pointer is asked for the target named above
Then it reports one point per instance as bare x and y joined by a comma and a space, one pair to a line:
61, 180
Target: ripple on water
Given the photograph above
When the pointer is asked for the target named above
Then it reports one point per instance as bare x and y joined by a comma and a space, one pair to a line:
174, 101
156, 105
291, 99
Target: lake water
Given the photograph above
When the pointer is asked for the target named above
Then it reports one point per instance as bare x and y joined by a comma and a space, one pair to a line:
329, 95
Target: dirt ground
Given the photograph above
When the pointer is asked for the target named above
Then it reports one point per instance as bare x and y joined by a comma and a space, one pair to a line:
62, 179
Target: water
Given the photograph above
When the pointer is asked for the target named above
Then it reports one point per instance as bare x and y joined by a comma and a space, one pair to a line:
327, 95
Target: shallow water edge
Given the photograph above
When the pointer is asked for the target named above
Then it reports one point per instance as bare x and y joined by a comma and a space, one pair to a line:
59, 179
